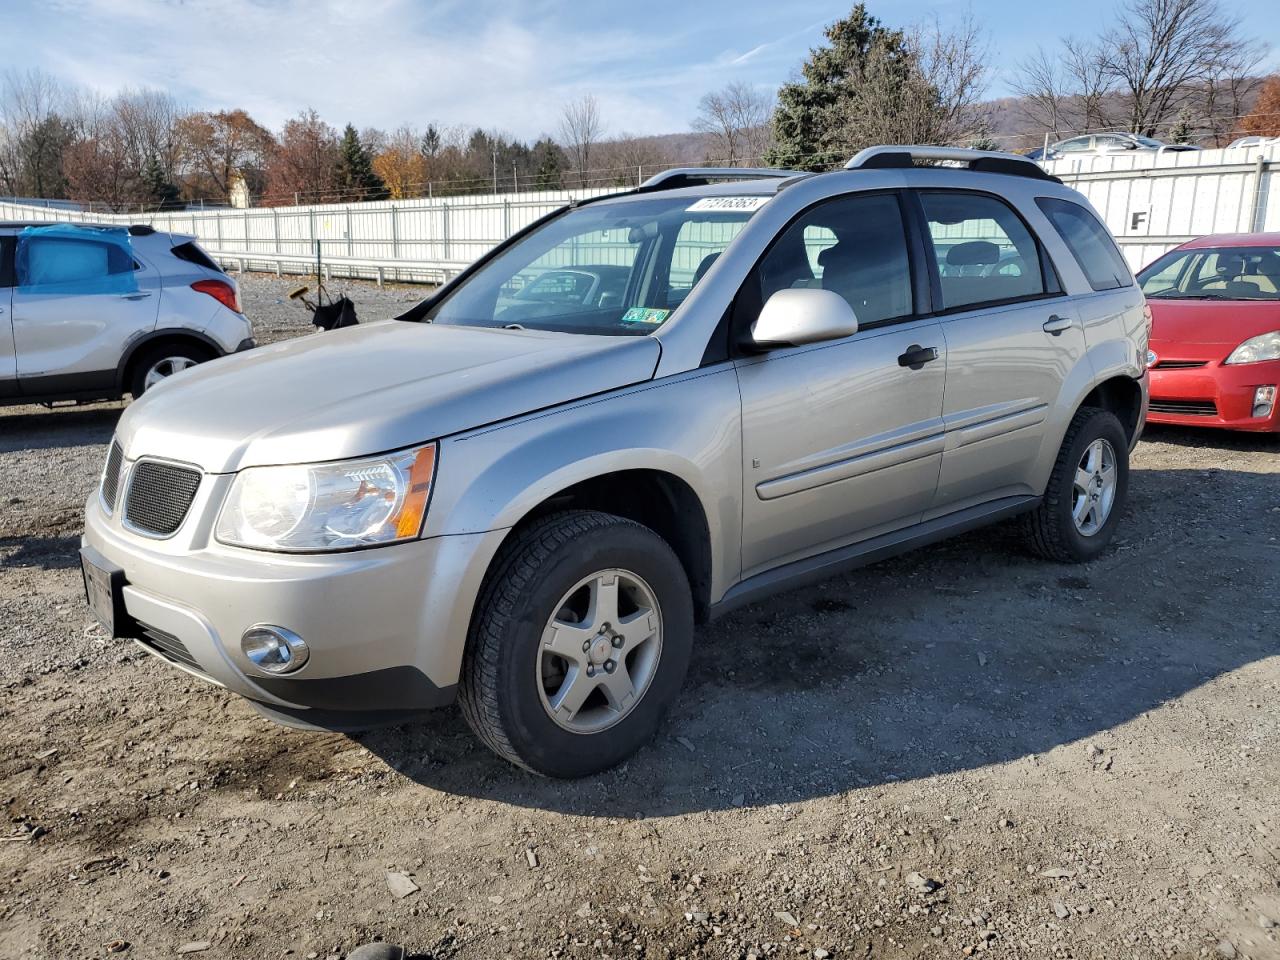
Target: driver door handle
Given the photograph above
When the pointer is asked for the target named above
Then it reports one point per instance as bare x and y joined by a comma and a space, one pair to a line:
1056, 324
917, 356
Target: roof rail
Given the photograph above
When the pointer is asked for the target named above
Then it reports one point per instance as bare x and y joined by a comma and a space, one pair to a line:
678, 177
984, 161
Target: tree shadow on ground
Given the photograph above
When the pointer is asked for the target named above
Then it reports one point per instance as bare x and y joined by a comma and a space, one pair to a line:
966, 654
49, 553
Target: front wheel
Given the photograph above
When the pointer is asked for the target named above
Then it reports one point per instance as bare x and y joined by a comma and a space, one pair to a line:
1086, 492
579, 644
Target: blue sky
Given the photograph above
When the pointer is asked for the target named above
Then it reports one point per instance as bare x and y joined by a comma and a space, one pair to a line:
501, 64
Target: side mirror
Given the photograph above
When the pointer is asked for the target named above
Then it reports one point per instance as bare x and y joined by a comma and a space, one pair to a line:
794, 317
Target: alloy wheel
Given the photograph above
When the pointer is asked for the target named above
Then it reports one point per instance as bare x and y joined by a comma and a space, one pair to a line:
1093, 491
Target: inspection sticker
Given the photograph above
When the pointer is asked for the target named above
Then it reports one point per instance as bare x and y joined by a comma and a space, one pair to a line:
730, 204
653, 315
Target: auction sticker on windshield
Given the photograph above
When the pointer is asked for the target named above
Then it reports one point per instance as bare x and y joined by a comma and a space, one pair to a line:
730, 204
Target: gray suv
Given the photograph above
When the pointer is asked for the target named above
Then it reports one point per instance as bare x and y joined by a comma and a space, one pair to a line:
715, 386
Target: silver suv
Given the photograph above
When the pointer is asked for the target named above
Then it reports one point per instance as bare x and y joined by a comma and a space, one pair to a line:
92, 312
638, 413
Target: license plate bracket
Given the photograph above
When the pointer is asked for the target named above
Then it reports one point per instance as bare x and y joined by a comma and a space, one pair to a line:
104, 591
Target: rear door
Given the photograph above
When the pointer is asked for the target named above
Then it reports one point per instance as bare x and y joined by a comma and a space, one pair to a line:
1012, 337
77, 302
8, 363
841, 440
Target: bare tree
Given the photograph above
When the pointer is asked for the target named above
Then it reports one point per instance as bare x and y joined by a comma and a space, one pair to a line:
925, 89
737, 119
1042, 84
580, 128
953, 61
1229, 89
35, 133
1093, 84
1162, 51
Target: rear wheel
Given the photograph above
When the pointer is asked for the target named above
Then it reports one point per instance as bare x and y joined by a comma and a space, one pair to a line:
579, 644
1086, 492
160, 363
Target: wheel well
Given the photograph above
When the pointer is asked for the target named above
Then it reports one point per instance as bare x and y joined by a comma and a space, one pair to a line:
660, 501
129, 364
1123, 397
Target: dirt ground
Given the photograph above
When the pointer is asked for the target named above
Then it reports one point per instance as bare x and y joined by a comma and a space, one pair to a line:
964, 750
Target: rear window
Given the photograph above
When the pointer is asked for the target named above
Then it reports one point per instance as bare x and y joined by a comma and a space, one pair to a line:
191, 252
1089, 242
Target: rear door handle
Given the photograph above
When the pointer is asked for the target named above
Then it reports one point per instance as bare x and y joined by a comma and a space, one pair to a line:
140, 295
917, 356
1056, 324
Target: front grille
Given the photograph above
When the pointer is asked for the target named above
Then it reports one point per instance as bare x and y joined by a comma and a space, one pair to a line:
1186, 408
167, 645
111, 477
1180, 364
159, 496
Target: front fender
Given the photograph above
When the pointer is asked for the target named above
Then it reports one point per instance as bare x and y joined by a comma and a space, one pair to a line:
687, 426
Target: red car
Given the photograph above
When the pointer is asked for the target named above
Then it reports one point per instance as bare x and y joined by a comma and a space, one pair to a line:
1215, 335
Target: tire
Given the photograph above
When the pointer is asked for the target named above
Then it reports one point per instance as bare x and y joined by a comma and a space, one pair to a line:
509, 672
174, 354
1052, 530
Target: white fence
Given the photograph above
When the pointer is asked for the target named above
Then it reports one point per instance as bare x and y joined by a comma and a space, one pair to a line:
1150, 202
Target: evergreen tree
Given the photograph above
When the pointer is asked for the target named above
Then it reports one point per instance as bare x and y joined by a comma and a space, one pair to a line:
158, 190
1184, 128
548, 165
431, 141
811, 113
356, 178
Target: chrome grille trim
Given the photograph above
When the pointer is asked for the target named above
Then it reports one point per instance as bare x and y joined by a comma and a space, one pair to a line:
109, 488
158, 497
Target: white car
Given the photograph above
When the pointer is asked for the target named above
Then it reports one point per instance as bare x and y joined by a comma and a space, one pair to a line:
1099, 144
1253, 142
92, 312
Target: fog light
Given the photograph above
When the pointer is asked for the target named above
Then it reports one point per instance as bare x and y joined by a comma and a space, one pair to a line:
274, 649
1264, 399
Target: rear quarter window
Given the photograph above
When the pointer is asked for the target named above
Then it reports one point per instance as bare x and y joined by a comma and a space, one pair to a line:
192, 253
1089, 242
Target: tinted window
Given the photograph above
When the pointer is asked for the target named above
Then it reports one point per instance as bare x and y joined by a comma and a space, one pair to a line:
193, 253
1089, 242
855, 246
6, 260
698, 245
985, 253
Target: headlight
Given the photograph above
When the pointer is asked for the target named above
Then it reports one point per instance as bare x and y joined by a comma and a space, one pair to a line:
330, 506
1257, 349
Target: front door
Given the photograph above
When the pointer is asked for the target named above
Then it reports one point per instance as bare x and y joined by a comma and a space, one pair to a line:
78, 301
841, 440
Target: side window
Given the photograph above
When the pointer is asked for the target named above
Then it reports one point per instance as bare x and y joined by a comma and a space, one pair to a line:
698, 244
7, 245
1074, 145
59, 261
855, 246
985, 253
1089, 242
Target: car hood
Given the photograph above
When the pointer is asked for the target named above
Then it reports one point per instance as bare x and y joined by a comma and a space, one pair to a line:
370, 388
1198, 325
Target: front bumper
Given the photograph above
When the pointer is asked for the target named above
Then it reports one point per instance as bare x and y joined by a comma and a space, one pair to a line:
386, 626
1214, 395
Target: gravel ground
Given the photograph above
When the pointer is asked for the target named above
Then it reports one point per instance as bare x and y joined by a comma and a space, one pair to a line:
960, 751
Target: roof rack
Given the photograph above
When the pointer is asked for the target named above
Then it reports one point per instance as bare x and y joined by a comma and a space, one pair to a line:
983, 161
678, 177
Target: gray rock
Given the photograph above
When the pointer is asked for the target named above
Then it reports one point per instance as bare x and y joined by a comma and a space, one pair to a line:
1227, 950
400, 885
920, 883
195, 946
1060, 911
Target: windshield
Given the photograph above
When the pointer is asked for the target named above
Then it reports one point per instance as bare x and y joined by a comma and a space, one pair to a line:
1214, 273
611, 268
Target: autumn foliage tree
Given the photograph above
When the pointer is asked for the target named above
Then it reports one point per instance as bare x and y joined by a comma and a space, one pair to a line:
218, 146
304, 163
1264, 119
